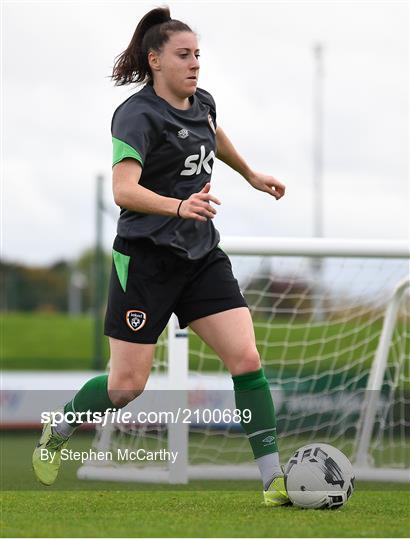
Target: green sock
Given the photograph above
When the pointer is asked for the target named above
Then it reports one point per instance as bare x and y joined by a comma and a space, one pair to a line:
93, 397
252, 392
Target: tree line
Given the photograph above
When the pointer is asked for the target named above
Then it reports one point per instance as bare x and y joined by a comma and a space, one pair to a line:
69, 286
48, 288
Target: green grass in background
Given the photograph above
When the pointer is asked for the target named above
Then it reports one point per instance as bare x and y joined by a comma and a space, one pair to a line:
57, 341
47, 341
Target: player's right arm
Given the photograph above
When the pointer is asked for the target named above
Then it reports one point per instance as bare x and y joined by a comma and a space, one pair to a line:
129, 194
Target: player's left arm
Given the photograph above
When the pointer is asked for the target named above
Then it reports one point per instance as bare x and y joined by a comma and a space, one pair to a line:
226, 152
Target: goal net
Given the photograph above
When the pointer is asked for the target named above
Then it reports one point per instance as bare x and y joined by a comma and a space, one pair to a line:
332, 325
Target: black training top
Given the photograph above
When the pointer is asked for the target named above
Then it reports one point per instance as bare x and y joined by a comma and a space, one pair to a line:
176, 149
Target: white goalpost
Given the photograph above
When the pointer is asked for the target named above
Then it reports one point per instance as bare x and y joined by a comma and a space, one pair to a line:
332, 326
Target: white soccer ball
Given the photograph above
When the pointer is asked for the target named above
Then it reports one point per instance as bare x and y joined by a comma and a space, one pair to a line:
319, 475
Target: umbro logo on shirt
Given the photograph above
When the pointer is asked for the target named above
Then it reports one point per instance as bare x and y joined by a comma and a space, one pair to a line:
183, 133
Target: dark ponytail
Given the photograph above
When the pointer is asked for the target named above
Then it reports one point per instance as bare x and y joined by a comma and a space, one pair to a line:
153, 30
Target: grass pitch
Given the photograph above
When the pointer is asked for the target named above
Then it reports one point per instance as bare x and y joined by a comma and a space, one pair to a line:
74, 508
197, 513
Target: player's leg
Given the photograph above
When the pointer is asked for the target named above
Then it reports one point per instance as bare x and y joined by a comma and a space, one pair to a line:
231, 335
130, 365
139, 305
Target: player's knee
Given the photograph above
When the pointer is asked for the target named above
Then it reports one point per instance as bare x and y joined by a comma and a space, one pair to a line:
121, 398
248, 360
123, 391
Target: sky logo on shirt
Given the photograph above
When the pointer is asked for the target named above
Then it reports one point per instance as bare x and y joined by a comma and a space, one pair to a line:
195, 162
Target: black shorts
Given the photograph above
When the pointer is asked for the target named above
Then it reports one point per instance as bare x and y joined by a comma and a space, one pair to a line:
149, 283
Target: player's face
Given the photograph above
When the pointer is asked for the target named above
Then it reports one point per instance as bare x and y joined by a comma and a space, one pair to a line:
179, 63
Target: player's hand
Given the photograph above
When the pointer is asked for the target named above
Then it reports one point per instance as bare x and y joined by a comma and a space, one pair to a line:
264, 182
197, 205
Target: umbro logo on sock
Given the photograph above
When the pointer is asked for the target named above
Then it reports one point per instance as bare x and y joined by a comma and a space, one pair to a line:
268, 440
183, 133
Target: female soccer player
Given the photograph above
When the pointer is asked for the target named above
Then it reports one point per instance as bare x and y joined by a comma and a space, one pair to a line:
166, 257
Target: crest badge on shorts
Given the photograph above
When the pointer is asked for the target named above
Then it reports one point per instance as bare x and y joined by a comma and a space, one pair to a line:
211, 123
135, 319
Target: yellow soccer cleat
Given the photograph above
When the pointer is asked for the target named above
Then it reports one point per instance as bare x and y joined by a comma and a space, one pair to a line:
276, 494
47, 455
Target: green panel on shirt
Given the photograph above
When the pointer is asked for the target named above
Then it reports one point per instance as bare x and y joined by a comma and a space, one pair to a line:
123, 150
121, 263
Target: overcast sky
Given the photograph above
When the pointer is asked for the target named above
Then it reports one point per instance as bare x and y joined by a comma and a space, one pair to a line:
257, 61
